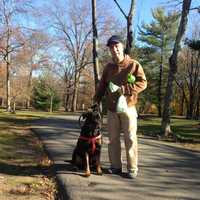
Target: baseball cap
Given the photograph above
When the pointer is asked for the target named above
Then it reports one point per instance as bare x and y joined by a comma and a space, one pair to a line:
114, 39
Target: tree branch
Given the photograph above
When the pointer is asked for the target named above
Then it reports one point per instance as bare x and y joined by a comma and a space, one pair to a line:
121, 9
196, 8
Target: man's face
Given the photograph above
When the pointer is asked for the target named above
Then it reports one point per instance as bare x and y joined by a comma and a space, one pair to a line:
117, 51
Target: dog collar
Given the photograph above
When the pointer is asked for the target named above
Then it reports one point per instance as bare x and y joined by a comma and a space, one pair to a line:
91, 140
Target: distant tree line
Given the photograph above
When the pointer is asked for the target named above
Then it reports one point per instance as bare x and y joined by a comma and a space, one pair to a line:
52, 68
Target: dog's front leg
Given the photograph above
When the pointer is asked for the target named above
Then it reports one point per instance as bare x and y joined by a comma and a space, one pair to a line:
87, 165
98, 166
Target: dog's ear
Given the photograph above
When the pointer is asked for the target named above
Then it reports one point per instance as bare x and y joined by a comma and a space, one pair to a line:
87, 115
97, 115
82, 119
95, 107
84, 115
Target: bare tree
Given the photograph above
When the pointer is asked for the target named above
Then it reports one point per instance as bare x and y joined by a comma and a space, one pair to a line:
64, 68
11, 37
2, 83
76, 37
165, 126
188, 77
129, 19
36, 57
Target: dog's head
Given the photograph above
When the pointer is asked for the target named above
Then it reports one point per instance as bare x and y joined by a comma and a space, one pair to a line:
90, 123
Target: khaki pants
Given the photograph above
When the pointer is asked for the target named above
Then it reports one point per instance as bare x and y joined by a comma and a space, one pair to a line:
126, 123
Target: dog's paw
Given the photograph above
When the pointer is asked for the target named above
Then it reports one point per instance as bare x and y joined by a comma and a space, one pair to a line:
99, 171
87, 174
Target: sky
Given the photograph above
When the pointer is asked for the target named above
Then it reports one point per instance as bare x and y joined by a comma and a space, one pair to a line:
144, 9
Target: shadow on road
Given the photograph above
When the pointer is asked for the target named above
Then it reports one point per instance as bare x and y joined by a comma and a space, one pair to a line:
165, 172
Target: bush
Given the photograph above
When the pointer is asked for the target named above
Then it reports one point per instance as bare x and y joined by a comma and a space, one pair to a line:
45, 96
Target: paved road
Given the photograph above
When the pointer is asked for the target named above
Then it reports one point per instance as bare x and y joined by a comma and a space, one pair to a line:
165, 172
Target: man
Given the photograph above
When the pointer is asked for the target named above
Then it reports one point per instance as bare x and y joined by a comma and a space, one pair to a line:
123, 77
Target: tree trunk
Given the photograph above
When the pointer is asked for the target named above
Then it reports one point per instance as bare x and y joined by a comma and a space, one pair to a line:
95, 45
29, 85
129, 35
159, 92
74, 99
8, 89
191, 89
191, 105
75, 92
3, 103
182, 104
197, 108
160, 80
165, 126
130, 28
51, 104
14, 106
28, 103
7, 59
198, 89
67, 106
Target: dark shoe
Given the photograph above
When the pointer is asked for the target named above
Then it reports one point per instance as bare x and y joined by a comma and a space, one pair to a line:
114, 170
132, 174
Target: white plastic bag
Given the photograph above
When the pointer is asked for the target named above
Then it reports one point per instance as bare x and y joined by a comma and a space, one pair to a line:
113, 87
122, 106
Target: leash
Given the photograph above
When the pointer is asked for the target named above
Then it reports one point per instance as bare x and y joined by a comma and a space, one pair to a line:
91, 140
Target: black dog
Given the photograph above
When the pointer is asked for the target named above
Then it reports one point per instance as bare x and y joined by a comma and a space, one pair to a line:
88, 149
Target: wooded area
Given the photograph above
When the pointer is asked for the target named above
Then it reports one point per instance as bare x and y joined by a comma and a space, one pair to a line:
47, 55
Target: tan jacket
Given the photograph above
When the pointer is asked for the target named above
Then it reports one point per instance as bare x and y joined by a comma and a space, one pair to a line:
118, 75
